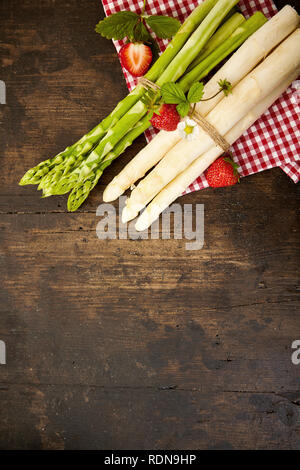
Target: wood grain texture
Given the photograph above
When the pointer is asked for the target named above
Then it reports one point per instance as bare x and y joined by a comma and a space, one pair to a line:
123, 344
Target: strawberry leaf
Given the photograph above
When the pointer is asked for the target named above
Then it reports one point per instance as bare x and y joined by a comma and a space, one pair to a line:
196, 92
163, 26
140, 33
183, 108
118, 26
172, 93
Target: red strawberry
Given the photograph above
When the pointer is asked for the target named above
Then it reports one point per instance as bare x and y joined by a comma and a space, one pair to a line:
222, 172
167, 119
136, 58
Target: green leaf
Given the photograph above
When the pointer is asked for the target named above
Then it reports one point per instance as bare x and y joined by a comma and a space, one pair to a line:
183, 108
225, 86
164, 27
172, 93
118, 26
140, 33
196, 92
234, 165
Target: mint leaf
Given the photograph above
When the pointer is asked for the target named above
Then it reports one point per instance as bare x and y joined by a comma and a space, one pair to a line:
118, 26
183, 108
163, 26
172, 93
196, 92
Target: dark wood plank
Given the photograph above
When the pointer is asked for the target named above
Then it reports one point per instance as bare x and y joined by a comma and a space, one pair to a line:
94, 418
127, 344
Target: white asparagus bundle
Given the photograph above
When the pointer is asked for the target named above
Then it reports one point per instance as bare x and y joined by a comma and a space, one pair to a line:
237, 67
267, 76
180, 183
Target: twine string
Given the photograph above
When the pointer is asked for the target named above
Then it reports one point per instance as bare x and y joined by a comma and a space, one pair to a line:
210, 130
148, 84
200, 120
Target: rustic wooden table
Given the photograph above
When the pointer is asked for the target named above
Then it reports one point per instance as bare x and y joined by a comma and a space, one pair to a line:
121, 344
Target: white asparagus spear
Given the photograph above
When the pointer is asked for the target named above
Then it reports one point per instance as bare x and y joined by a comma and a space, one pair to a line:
236, 68
178, 185
257, 85
254, 49
141, 163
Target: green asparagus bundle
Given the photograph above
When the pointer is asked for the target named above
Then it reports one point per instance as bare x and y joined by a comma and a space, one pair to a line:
81, 191
80, 166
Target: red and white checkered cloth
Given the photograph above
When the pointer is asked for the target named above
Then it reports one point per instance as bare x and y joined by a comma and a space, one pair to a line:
274, 138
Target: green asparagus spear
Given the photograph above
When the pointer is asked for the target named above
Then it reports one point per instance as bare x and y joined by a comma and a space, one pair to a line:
35, 174
222, 33
181, 37
245, 30
81, 147
82, 190
197, 41
58, 171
